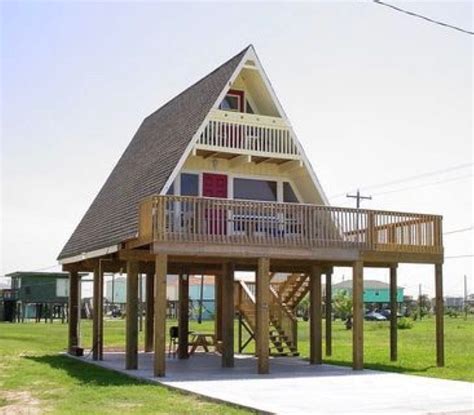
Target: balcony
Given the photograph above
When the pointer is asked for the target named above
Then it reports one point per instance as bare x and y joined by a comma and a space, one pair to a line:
206, 226
234, 133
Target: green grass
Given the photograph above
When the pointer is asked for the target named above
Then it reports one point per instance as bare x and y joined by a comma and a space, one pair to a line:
29, 361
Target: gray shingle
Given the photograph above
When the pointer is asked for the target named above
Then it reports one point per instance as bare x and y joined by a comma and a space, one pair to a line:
147, 163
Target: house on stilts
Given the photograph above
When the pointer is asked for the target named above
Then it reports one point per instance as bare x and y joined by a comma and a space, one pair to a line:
214, 182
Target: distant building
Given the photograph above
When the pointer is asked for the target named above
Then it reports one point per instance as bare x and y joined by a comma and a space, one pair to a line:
374, 291
454, 302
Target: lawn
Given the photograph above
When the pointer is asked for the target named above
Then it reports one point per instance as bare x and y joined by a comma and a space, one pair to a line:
29, 362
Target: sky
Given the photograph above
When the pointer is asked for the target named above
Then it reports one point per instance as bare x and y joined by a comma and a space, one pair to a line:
374, 96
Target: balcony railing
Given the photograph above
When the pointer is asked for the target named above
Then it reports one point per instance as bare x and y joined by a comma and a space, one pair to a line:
250, 223
248, 134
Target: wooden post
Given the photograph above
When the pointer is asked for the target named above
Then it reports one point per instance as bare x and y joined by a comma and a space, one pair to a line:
393, 313
74, 316
218, 306
329, 312
96, 314
227, 323
100, 311
183, 316
150, 293
262, 335
439, 303
131, 335
358, 315
315, 319
161, 269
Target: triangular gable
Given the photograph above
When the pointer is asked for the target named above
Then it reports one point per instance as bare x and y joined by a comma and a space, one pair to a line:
251, 60
147, 164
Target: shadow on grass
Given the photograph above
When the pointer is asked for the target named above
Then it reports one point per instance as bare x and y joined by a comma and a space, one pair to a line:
383, 367
85, 373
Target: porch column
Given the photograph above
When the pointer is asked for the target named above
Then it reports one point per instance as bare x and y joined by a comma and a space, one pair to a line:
100, 311
149, 314
74, 312
161, 269
96, 313
329, 312
218, 307
183, 315
439, 304
131, 322
315, 319
357, 315
262, 334
393, 313
227, 307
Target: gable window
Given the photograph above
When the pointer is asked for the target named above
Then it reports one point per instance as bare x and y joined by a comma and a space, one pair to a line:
251, 189
189, 184
289, 195
233, 101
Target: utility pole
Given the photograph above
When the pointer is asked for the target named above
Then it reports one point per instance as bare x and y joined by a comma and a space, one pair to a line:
465, 297
358, 198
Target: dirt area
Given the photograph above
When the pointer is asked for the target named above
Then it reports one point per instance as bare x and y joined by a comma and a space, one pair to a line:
19, 403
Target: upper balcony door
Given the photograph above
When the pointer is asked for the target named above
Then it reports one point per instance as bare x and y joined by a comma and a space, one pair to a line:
215, 185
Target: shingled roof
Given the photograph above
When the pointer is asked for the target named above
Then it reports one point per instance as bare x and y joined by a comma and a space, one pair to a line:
147, 163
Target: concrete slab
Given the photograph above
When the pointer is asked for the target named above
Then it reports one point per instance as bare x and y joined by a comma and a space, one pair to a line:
295, 387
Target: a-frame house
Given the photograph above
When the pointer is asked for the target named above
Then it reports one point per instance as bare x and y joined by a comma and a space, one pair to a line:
216, 181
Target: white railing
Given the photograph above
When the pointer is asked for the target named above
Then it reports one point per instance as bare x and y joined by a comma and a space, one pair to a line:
248, 134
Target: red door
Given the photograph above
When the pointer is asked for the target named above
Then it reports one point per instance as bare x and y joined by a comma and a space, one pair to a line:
215, 185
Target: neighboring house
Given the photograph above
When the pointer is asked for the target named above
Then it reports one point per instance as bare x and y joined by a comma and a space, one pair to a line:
456, 303
40, 294
214, 181
375, 292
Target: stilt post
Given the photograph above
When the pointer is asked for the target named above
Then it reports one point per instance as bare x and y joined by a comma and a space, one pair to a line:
357, 315
74, 316
161, 269
183, 316
393, 313
227, 315
149, 310
263, 315
329, 311
315, 319
131, 334
218, 306
96, 314
439, 303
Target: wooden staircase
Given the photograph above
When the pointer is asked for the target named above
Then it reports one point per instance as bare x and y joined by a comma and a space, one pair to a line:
293, 290
283, 323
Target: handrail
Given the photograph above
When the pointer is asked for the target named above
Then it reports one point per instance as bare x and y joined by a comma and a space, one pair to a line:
241, 222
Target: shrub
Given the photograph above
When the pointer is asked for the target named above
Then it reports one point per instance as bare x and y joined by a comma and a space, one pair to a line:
404, 324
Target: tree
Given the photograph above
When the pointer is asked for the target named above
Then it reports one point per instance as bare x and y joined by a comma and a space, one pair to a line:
342, 304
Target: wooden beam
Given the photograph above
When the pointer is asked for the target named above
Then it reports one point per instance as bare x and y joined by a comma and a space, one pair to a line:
393, 313
74, 310
239, 161
329, 312
149, 313
262, 338
95, 314
161, 269
315, 319
101, 310
439, 304
218, 307
290, 166
227, 307
358, 315
183, 315
131, 321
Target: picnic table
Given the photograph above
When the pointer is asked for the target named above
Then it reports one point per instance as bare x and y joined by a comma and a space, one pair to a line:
203, 340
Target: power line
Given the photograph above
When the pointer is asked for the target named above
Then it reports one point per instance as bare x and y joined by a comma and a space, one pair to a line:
459, 256
452, 179
459, 230
411, 178
420, 16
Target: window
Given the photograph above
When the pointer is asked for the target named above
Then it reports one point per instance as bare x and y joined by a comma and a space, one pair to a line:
189, 184
250, 189
233, 101
289, 195
62, 287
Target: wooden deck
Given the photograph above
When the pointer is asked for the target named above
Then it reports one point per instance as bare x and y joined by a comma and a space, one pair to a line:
181, 225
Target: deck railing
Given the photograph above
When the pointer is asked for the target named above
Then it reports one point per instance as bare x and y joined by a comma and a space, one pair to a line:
224, 221
248, 134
